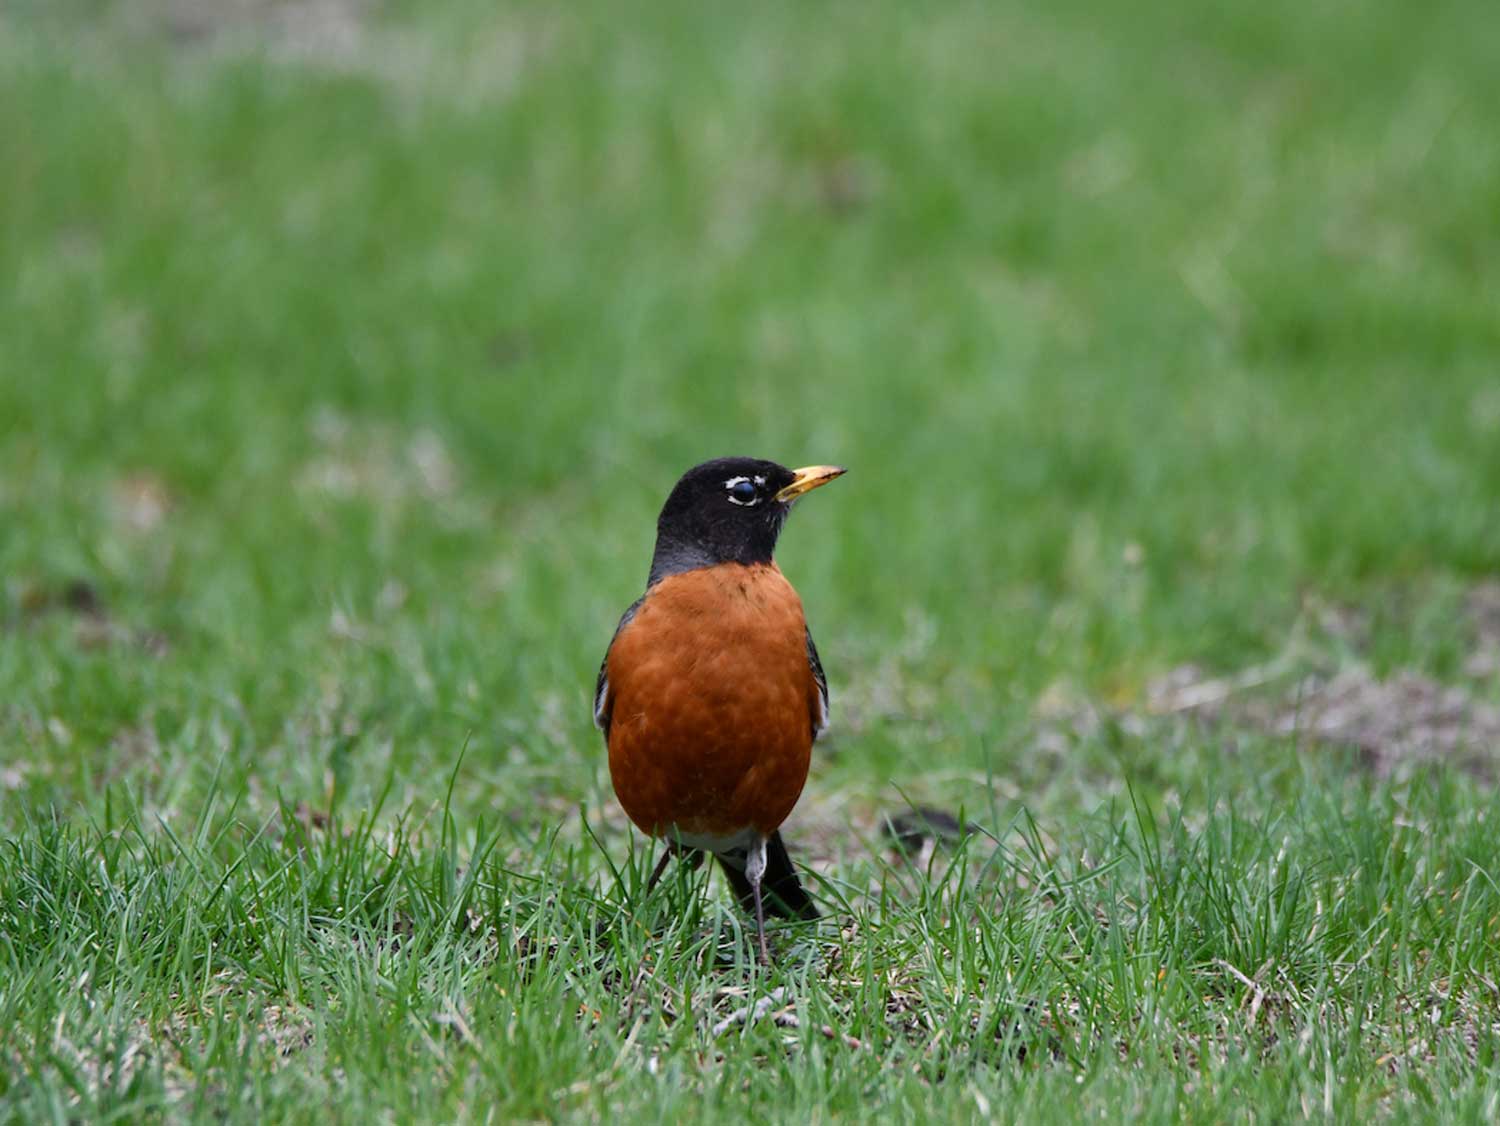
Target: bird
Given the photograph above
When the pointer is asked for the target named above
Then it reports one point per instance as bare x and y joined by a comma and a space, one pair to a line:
711, 692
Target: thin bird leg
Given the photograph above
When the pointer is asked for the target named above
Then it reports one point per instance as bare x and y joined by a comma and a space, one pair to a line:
661, 866
692, 856
755, 868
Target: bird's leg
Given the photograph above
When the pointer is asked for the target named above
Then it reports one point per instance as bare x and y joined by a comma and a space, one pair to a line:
691, 855
661, 866
755, 868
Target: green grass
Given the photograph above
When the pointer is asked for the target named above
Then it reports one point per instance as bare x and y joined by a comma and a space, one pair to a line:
346, 376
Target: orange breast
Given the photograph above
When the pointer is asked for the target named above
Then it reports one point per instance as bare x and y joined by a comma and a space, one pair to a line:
711, 688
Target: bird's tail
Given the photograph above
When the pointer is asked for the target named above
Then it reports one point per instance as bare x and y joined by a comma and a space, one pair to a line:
781, 891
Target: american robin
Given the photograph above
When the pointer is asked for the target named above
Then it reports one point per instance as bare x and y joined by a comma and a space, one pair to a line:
711, 692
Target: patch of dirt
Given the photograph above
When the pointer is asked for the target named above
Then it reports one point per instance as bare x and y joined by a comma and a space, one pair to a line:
351, 37
141, 501
376, 462
847, 185
1482, 608
80, 600
316, 29
1405, 717
75, 596
387, 467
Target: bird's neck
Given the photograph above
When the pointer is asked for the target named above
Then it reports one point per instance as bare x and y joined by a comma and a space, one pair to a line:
674, 556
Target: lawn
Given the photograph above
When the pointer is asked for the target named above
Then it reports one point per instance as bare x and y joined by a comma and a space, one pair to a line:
348, 350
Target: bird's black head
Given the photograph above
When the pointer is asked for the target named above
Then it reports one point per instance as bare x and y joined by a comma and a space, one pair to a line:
729, 510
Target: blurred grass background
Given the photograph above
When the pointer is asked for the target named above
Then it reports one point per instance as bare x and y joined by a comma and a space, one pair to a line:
441, 308
348, 350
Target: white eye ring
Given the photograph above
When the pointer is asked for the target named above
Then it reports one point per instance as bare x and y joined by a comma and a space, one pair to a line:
734, 483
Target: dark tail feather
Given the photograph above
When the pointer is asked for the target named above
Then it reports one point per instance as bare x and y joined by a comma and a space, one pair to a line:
781, 891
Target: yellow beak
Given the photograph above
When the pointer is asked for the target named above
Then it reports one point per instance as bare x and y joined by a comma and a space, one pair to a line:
809, 477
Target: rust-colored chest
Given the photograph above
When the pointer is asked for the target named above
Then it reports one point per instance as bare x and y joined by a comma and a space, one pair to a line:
713, 701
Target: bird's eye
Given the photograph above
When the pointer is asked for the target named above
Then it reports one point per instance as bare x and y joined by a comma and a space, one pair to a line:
742, 491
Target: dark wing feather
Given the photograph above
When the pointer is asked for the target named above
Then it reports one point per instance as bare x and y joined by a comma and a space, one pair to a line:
602, 703
820, 717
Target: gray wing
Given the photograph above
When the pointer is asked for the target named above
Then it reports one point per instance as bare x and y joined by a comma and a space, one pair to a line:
820, 720
602, 703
